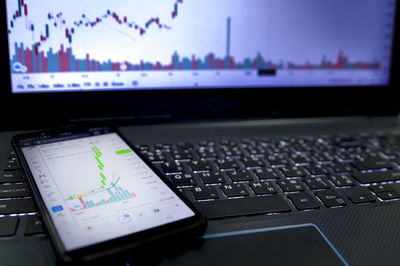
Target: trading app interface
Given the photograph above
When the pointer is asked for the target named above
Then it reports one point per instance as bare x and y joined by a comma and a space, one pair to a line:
96, 188
79, 45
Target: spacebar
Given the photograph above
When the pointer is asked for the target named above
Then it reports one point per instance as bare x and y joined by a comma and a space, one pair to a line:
243, 206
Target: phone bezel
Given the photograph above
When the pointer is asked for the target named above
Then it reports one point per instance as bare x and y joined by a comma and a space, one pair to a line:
191, 226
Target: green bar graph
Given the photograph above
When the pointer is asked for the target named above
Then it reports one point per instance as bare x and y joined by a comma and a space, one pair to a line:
100, 163
102, 176
96, 152
120, 152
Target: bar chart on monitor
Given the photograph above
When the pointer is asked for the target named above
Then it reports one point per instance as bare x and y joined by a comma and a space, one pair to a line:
142, 44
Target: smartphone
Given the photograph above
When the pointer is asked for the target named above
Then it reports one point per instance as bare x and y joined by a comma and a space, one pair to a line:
97, 195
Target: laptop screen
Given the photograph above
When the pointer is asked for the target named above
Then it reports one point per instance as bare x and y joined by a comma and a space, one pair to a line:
92, 45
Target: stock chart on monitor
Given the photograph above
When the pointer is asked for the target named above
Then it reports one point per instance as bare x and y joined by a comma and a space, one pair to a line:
80, 45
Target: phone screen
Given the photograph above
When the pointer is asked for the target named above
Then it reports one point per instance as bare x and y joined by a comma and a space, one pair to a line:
96, 188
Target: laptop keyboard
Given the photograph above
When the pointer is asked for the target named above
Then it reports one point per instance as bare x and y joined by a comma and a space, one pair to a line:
16, 203
236, 177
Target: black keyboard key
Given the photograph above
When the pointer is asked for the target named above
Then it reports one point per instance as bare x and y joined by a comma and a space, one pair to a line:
263, 188
392, 154
342, 180
300, 158
185, 145
251, 162
372, 164
33, 226
277, 160
8, 226
181, 180
12, 177
12, 155
302, 147
362, 198
16, 206
244, 206
316, 183
240, 175
248, 142
280, 149
324, 157
231, 152
291, 185
304, 201
377, 177
266, 173
389, 195
225, 164
267, 141
384, 188
212, 178
347, 156
162, 147
350, 144
347, 142
207, 144
14, 191
341, 168
292, 171
157, 157
205, 193
143, 148
198, 166
235, 190
256, 151
11, 165
182, 155
317, 170
331, 198
228, 143
171, 168
207, 154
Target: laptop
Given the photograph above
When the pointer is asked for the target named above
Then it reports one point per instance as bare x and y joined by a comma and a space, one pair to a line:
268, 115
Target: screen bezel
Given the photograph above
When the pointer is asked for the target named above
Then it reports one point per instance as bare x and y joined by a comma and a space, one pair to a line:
190, 226
183, 104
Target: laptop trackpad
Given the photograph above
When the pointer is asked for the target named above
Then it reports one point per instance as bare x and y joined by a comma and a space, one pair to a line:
292, 245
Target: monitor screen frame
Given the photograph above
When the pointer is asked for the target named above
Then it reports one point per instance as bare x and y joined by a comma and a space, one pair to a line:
35, 110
